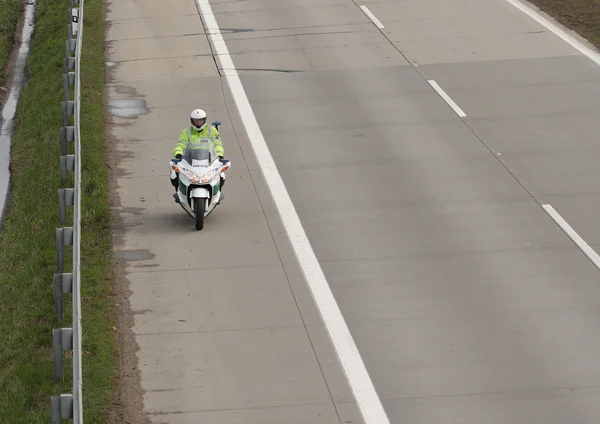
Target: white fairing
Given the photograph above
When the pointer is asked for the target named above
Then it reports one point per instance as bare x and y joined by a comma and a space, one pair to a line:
199, 193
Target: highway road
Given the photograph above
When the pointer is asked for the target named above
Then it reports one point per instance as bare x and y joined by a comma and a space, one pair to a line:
432, 170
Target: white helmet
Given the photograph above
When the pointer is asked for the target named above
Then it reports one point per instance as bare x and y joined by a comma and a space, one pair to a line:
198, 119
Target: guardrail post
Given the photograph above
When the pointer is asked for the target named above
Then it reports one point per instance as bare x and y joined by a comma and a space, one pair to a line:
68, 81
62, 339
70, 46
68, 64
62, 408
67, 134
67, 163
64, 237
66, 197
63, 283
68, 109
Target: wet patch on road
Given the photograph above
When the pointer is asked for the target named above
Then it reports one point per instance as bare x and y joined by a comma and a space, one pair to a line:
127, 108
134, 255
124, 89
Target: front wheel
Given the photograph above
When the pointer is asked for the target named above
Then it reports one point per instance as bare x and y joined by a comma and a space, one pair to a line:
199, 212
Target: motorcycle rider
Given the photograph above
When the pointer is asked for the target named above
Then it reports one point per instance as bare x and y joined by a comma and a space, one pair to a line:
196, 131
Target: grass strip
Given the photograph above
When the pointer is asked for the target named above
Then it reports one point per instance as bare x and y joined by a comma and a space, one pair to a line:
27, 240
100, 365
582, 16
10, 11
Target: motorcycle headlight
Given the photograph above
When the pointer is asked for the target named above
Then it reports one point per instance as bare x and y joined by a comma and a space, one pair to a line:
207, 178
193, 177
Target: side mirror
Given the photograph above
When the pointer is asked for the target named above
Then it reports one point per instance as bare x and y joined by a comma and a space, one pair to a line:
175, 160
216, 123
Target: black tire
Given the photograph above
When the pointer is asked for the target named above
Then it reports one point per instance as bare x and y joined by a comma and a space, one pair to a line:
199, 212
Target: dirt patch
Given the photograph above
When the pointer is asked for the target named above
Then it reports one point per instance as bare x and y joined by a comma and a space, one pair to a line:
128, 399
582, 16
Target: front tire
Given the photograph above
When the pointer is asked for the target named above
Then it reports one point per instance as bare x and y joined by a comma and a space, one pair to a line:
199, 212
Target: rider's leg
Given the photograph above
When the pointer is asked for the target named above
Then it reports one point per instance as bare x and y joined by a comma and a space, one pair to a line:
175, 181
222, 183
175, 184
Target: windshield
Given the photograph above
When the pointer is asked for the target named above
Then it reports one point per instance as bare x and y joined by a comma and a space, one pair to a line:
200, 153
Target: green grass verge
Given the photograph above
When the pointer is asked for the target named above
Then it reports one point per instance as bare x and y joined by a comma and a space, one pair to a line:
100, 366
582, 16
27, 240
9, 16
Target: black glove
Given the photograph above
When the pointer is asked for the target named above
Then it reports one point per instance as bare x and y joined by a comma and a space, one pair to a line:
178, 156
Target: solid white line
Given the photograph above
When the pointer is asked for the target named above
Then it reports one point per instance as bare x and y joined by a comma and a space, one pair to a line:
372, 17
359, 380
447, 98
582, 48
585, 248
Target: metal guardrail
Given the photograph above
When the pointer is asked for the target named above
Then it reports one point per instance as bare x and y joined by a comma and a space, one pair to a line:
69, 406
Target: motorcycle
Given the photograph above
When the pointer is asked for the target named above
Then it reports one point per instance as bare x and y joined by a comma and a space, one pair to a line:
200, 174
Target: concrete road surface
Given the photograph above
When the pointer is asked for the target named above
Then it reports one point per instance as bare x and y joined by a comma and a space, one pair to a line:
419, 141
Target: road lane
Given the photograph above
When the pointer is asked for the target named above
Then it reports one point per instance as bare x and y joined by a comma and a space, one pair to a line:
393, 201
467, 302
539, 112
219, 333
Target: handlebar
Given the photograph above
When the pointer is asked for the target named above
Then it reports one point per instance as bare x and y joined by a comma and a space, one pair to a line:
223, 161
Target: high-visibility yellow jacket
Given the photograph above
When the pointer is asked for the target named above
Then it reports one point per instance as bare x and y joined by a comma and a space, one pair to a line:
195, 136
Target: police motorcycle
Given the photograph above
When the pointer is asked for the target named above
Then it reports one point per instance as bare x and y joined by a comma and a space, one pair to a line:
200, 173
